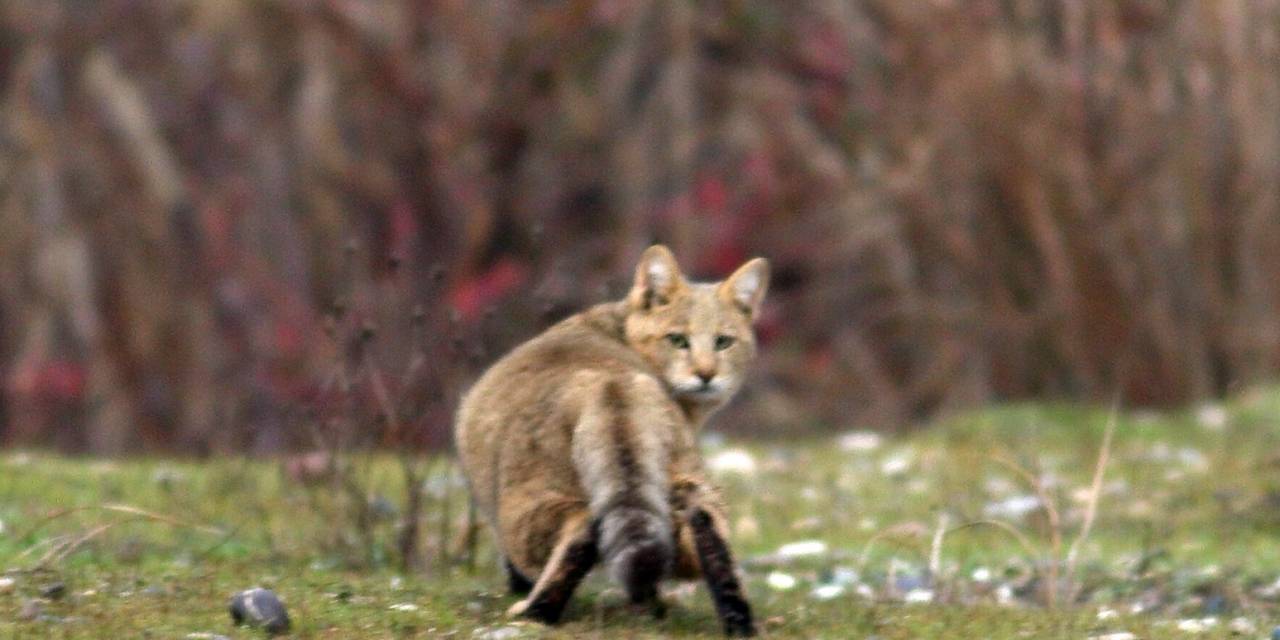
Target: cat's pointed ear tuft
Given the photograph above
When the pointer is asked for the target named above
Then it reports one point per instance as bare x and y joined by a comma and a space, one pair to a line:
658, 278
745, 289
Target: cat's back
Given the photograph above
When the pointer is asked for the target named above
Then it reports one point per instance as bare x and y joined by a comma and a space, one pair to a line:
529, 399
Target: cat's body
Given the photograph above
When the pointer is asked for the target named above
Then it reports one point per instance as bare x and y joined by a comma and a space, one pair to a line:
580, 445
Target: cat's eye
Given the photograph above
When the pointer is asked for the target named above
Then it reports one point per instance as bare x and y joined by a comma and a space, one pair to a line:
724, 342
678, 340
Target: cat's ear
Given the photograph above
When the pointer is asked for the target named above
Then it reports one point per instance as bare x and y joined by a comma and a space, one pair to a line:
745, 289
658, 279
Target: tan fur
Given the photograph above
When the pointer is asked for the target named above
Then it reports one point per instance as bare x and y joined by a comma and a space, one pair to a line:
599, 414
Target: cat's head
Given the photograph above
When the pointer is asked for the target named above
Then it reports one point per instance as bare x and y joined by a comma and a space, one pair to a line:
697, 335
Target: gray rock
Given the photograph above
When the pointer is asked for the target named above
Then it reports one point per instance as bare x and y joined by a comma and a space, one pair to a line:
53, 591
259, 607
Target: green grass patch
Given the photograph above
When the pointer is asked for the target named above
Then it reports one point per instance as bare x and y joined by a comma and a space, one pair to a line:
1185, 536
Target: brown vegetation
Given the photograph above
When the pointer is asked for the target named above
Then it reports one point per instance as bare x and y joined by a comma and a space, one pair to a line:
963, 200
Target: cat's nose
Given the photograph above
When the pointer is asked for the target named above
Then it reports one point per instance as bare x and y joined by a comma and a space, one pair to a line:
706, 377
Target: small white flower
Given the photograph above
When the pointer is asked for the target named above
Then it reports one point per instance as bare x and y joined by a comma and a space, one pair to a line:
981, 574
803, 549
733, 461
781, 581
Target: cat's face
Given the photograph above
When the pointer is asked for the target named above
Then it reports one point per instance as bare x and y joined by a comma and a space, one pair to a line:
698, 336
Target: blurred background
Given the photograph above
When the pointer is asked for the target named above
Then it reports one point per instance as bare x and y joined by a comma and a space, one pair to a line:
210, 208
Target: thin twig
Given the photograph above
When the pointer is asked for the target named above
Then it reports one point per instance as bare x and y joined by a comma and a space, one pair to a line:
1095, 494
1055, 522
1013, 531
935, 550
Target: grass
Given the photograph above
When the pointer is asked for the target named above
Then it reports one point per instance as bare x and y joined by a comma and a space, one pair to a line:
1186, 530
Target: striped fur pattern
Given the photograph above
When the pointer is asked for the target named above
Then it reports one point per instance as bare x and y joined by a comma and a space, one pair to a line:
585, 434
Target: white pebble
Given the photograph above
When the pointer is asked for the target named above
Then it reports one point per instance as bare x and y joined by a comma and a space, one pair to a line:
896, 465
844, 576
781, 581
404, 606
803, 549
1243, 627
1013, 508
733, 461
501, 633
828, 592
1212, 417
918, 596
1194, 625
859, 441
7, 584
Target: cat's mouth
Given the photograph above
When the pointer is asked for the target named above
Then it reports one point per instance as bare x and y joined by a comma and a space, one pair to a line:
700, 391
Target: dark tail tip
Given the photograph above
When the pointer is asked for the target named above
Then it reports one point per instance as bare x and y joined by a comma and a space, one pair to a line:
640, 566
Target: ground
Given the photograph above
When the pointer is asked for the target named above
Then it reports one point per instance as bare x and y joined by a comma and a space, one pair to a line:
841, 536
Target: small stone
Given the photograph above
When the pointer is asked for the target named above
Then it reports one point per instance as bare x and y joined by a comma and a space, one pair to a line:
802, 549
404, 606
733, 461
53, 591
1212, 417
896, 465
828, 592
918, 596
260, 607
1242, 627
31, 609
1118, 635
781, 581
7, 584
1107, 614
1194, 625
500, 633
859, 441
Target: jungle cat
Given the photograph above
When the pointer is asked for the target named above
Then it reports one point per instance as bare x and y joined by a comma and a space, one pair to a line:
581, 444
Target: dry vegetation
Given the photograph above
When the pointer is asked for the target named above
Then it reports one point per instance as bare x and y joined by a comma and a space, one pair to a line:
964, 200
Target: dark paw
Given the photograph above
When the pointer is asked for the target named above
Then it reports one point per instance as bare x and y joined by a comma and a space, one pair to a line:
516, 582
740, 628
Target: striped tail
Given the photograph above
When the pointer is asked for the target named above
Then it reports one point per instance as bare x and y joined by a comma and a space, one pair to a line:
623, 471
